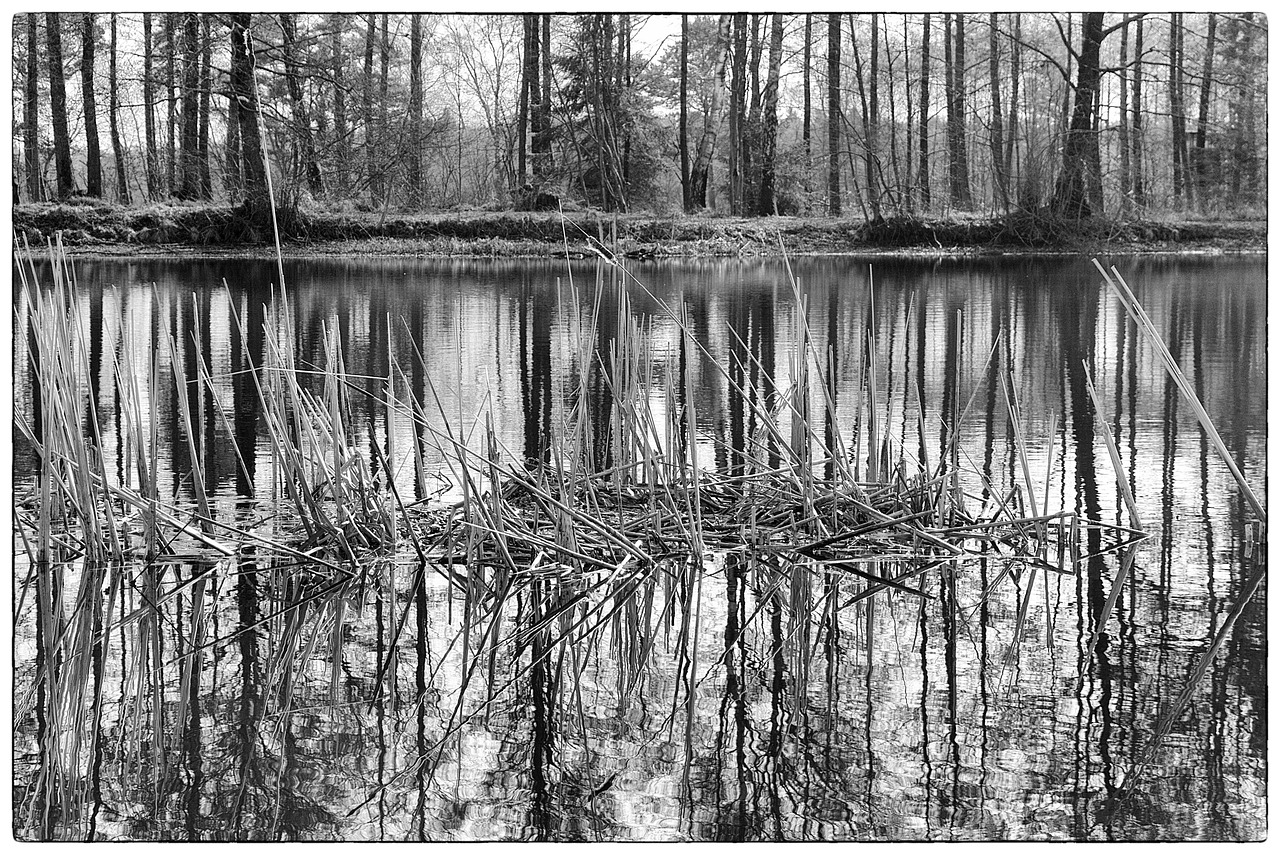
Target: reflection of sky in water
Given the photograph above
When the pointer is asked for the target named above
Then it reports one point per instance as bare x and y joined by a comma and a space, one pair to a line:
903, 729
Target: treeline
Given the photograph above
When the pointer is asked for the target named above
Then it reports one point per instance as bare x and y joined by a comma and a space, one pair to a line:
876, 115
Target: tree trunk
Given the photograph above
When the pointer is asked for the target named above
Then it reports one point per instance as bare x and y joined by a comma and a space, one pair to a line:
245, 93
58, 106
1177, 120
149, 107
384, 61
807, 131
537, 115
93, 153
922, 178
31, 115
189, 153
770, 108
1139, 185
1015, 78
371, 167
522, 125
1126, 176
545, 100
700, 175
997, 123
1069, 196
301, 117
341, 142
860, 75
957, 144
833, 115
1202, 120
113, 116
206, 95
686, 196
231, 176
737, 106
414, 165
170, 86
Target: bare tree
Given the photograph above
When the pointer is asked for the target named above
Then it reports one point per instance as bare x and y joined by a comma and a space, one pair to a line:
93, 152
58, 106
113, 115
833, 115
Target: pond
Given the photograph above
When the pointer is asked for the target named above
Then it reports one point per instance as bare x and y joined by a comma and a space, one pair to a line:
259, 695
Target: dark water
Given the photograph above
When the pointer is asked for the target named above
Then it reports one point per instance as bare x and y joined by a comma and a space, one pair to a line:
894, 718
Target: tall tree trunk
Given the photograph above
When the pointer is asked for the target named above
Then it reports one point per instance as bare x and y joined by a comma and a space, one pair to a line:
686, 197
1126, 172
522, 125
371, 166
770, 108
93, 153
807, 131
1069, 196
545, 100
113, 116
341, 142
997, 122
700, 175
149, 108
833, 115
206, 95
414, 165
384, 61
1015, 79
231, 176
737, 107
860, 76
537, 115
170, 87
301, 116
1202, 119
957, 143
873, 119
1177, 120
1139, 184
245, 93
31, 114
58, 106
922, 175
189, 152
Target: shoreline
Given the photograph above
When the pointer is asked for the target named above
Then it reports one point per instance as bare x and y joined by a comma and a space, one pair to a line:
101, 231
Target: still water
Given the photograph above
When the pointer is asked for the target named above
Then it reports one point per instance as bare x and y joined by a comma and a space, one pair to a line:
896, 718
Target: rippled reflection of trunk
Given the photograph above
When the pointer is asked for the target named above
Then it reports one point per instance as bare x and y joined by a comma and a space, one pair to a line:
249, 701
544, 685
601, 374
535, 372
246, 361
732, 811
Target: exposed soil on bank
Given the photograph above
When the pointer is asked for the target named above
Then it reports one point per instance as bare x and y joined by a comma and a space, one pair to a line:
203, 231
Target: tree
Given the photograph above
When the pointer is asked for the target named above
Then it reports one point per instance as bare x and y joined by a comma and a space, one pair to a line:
1069, 195
149, 106
113, 114
1139, 185
93, 153
833, 115
997, 123
414, 159
58, 107
922, 178
31, 114
206, 94
769, 149
257, 200
1200, 160
737, 105
371, 166
189, 152
342, 142
686, 197
170, 61
700, 175
301, 117
807, 134
957, 144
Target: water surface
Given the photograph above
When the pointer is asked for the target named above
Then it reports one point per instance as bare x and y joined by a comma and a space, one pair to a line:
788, 716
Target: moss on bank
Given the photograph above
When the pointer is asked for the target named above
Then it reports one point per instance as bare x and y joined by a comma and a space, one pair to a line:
206, 229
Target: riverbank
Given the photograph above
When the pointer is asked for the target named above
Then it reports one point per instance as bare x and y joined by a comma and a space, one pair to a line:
99, 229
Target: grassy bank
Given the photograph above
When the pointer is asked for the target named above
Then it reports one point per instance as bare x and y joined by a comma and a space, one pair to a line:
107, 229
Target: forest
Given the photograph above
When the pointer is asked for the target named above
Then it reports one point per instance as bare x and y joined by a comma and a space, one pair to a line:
868, 116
